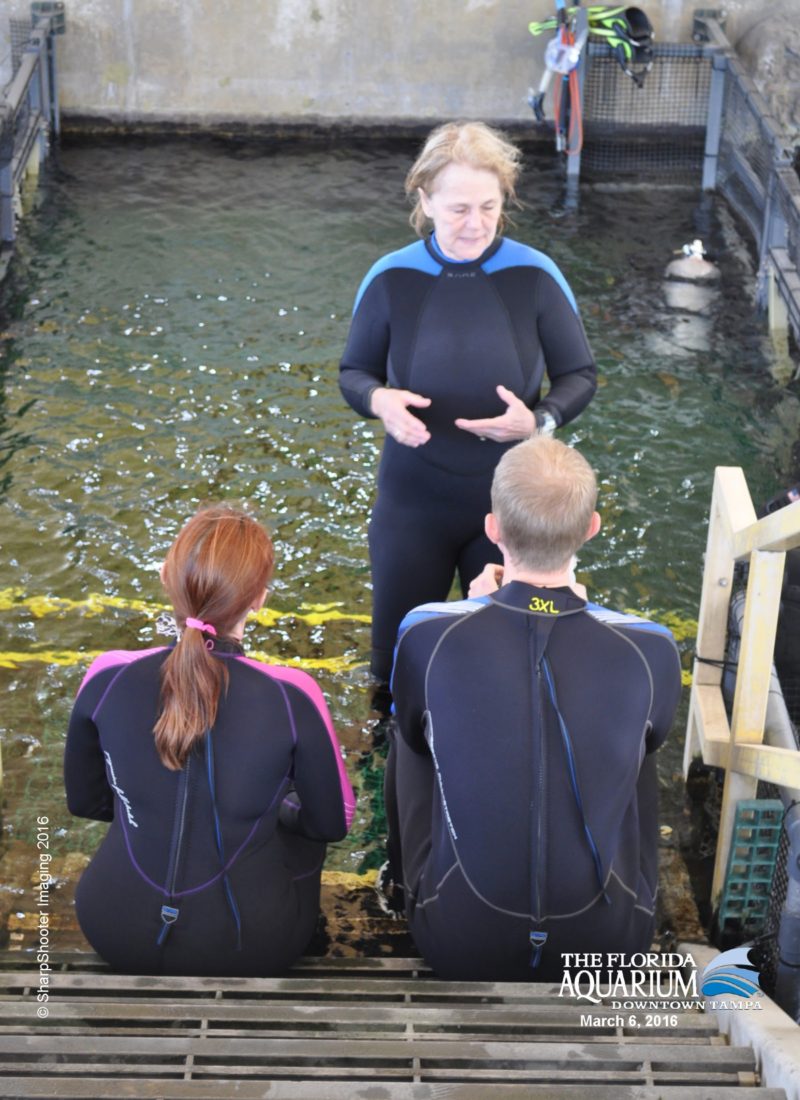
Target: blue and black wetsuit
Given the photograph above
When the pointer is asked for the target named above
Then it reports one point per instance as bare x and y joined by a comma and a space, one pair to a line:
521, 788
453, 332
213, 869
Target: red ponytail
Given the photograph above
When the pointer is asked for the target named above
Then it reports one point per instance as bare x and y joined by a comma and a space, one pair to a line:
215, 571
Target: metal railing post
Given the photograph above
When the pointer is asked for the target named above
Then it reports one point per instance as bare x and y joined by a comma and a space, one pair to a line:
574, 158
28, 114
716, 103
6, 175
773, 235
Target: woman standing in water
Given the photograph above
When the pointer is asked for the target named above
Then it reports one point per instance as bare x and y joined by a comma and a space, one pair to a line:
221, 776
450, 342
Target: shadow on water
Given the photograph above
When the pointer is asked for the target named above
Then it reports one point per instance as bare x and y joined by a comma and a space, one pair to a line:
171, 335
13, 437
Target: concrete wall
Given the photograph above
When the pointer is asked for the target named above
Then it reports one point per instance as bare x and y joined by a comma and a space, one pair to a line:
204, 62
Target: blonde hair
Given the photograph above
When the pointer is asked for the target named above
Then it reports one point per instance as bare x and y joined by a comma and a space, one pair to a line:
543, 497
472, 143
218, 566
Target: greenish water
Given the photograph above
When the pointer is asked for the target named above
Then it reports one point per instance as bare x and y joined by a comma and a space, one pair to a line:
171, 333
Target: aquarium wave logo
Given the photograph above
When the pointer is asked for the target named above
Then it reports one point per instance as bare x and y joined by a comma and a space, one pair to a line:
731, 974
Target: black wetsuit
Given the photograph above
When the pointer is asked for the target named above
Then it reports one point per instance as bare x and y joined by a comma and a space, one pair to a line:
453, 332
521, 788
213, 869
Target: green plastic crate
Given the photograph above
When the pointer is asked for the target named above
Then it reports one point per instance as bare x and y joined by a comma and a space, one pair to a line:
751, 865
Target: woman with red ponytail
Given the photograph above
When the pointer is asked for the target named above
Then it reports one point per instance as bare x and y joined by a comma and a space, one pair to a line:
221, 776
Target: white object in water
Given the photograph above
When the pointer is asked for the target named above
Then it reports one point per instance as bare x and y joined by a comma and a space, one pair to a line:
689, 297
692, 266
691, 281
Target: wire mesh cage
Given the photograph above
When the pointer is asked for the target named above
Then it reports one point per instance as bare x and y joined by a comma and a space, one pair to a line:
765, 929
746, 137
787, 199
780, 885
19, 33
745, 158
658, 127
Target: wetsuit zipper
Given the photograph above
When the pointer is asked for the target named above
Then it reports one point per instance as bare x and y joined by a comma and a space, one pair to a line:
169, 913
176, 854
536, 937
540, 832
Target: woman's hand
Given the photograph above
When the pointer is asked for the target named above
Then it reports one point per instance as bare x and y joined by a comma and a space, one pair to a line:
517, 422
392, 408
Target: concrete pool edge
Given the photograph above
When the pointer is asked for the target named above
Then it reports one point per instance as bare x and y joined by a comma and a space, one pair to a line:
773, 1036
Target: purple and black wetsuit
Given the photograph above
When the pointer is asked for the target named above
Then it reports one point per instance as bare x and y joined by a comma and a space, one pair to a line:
521, 790
213, 869
453, 332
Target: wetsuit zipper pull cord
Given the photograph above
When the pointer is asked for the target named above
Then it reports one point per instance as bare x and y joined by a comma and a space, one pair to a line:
567, 742
170, 913
234, 908
538, 940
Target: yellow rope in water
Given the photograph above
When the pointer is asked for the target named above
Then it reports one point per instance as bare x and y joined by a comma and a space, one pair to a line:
71, 657
15, 599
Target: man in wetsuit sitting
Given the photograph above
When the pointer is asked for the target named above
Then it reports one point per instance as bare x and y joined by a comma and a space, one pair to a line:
521, 786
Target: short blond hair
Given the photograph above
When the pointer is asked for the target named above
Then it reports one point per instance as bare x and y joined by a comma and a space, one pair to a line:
472, 143
543, 497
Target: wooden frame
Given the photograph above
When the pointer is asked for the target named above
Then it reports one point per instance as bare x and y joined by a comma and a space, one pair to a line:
734, 534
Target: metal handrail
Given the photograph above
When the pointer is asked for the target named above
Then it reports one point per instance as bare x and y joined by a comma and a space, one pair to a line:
769, 228
33, 88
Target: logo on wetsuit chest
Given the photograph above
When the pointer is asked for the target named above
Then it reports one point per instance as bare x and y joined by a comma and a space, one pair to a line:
461, 274
544, 607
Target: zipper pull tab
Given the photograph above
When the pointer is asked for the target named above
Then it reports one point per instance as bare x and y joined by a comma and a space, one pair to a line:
168, 915
538, 940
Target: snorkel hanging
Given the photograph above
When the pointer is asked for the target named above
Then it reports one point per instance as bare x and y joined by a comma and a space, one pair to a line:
626, 30
561, 58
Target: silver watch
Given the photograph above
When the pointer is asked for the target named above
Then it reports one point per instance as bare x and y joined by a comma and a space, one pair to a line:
545, 423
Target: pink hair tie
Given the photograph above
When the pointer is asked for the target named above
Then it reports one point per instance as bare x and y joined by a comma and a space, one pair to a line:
198, 624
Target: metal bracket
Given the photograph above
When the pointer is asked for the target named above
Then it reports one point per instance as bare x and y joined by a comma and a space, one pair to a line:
699, 29
41, 9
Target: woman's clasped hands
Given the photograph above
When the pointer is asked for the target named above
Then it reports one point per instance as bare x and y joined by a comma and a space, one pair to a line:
392, 407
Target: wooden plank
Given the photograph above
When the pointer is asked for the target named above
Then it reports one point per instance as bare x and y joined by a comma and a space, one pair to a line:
86, 961
758, 642
712, 717
363, 964
327, 1034
351, 1033
220, 1013
294, 988
292, 1051
244, 987
73, 960
750, 699
731, 511
423, 989
498, 1073
495, 1073
768, 762
25, 1088
779, 531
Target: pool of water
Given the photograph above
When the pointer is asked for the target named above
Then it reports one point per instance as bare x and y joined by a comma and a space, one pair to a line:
170, 334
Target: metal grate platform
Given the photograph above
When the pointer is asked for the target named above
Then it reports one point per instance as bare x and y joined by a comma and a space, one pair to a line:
344, 1028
